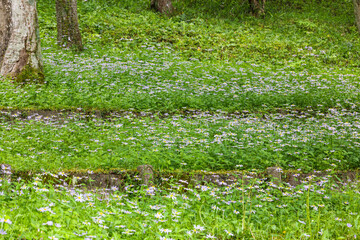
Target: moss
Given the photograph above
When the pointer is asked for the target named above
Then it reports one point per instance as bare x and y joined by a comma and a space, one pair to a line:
29, 75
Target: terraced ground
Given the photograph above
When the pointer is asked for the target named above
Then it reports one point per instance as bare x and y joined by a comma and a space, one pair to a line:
191, 141
208, 89
208, 116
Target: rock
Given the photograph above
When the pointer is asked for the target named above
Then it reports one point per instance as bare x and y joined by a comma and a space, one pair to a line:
274, 173
146, 174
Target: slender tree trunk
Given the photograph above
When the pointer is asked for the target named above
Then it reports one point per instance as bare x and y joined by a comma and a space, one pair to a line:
20, 51
68, 32
257, 7
162, 6
357, 13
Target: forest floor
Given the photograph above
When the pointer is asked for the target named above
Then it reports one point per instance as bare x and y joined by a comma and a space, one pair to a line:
211, 89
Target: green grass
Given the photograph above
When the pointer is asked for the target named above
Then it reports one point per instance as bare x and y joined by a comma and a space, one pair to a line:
156, 80
210, 88
320, 208
207, 31
137, 59
302, 58
199, 140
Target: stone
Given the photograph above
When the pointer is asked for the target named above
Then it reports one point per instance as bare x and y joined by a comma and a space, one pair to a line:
274, 173
146, 174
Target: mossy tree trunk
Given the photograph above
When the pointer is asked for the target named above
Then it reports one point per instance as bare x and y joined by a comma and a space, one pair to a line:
163, 6
68, 32
257, 7
357, 13
20, 52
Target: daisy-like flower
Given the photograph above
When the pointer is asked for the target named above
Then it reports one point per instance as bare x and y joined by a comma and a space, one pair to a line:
79, 198
204, 188
42, 209
120, 226
163, 230
214, 207
159, 215
228, 233
175, 213
302, 222
172, 196
184, 197
209, 236
156, 207
129, 232
198, 228
62, 174
98, 220
8, 221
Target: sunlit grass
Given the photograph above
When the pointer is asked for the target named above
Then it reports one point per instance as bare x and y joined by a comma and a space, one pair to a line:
211, 88
297, 140
319, 208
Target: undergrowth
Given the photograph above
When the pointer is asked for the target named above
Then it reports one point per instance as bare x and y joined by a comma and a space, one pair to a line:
245, 208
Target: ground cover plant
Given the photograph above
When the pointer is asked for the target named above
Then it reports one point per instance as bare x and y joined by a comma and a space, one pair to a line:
158, 83
222, 30
127, 64
210, 88
196, 141
247, 208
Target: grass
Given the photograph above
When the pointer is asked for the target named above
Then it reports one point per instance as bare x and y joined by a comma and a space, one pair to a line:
159, 81
319, 208
199, 140
136, 59
131, 64
210, 88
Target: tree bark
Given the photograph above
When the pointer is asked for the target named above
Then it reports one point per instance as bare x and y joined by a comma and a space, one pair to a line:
68, 32
20, 51
257, 7
163, 6
357, 13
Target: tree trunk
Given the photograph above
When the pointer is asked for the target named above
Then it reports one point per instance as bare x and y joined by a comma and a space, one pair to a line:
68, 32
162, 6
257, 7
357, 13
20, 51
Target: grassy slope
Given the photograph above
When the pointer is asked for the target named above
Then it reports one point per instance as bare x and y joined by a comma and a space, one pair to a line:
211, 33
193, 142
203, 58
241, 210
